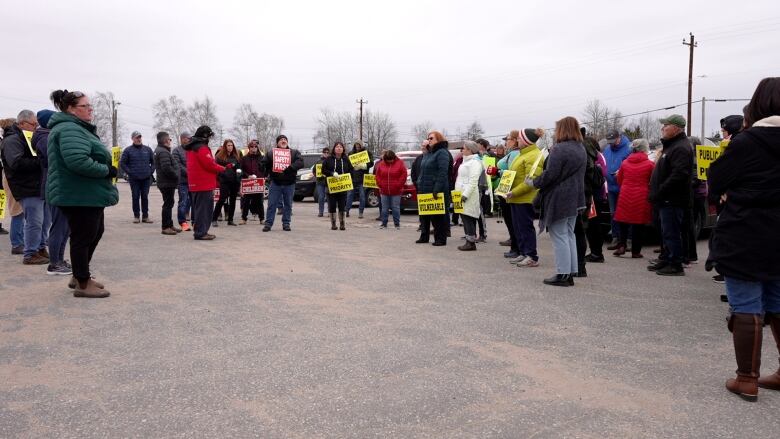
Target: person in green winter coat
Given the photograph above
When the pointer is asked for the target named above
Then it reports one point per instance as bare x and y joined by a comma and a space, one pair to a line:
79, 182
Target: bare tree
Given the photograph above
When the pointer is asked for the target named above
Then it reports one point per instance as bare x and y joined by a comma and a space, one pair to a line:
102, 118
203, 113
380, 132
170, 114
649, 126
267, 127
336, 127
599, 118
421, 130
474, 131
248, 125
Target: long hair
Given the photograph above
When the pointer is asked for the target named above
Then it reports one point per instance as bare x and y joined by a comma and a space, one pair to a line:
343, 149
222, 152
567, 129
765, 101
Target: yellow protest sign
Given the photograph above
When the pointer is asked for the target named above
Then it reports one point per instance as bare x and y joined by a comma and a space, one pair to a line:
488, 161
116, 153
338, 184
318, 170
427, 205
369, 180
505, 184
536, 164
457, 202
705, 155
359, 158
28, 135
2, 204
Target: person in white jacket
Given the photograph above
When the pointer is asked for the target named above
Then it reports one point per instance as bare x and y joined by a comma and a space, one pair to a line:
468, 185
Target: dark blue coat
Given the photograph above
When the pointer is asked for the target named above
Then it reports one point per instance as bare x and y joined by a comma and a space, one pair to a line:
137, 162
435, 170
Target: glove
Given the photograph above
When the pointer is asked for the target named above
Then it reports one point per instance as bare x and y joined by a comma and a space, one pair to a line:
335, 174
508, 195
112, 171
229, 166
529, 181
238, 171
464, 199
435, 195
253, 176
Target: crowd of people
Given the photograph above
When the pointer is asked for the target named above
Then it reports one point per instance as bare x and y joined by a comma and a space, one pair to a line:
59, 178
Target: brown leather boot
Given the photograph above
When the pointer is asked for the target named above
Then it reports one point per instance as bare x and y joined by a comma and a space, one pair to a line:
747, 331
341, 221
73, 283
772, 381
90, 290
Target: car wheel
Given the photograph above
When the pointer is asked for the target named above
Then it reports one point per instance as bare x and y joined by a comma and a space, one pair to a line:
372, 199
297, 198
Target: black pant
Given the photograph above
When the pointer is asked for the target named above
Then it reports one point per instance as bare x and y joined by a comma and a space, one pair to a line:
339, 200
439, 228
253, 203
227, 197
86, 229
636, 236
167, 206
469, 227
582, 244
595, 235
506, 212
202, 211
689, 237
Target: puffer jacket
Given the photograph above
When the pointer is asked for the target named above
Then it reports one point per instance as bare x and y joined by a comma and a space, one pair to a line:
435, 170
180, 156
167, 168
202, 170
522, 193
614, 155
22, 168
634, 180
137, 162
78, 165
468, 184
391, 177
562, 184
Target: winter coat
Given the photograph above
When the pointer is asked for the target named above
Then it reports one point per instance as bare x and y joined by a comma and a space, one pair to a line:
167, 168
522, 193
746, 242
286, 177
339, 165
670, 185
467, 183
229, 177
78, 165
435, 170
180, 156
137, 162
252, 164
634, 180
22, 168
415, 171
614, 155
390, 177
359, 171
202, 170
40, 141
562, 184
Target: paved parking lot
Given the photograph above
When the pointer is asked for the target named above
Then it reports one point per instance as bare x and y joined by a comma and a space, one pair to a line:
317, 333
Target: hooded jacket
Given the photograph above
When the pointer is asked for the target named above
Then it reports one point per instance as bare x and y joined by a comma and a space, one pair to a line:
202, 170
746, 243
286, 177
634, 180
390, 177
670, 184
22, 168
340, 165
167, 168
614, 155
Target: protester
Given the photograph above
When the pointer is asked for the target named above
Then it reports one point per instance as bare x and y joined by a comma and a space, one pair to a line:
337, 164
414, 173
229, 181
15, 211
202, 173
167, 180
252, 167
455, 166
434, 179
670, 193
137, 162
467, 184
746, 245
520, 198
595, 187
562, 196
282, 186
357, 179
486, 195
618, 148
184, 207
391, 178
23, 174
513, 148
321, 187
633, 209
79, 182
59, 229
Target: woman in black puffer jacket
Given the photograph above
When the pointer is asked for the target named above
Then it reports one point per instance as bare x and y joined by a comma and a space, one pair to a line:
229, 180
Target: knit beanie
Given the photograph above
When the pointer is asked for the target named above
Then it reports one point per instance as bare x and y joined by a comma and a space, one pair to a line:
43, 117
528, 136
280, 137
732, 124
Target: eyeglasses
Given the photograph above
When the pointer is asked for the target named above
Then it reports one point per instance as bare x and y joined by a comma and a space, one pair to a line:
252, 146
431, 138
87, 106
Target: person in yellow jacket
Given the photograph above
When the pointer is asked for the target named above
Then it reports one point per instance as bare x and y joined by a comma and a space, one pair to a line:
520, 198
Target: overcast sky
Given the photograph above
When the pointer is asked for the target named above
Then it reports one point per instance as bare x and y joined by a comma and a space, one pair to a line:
506, 64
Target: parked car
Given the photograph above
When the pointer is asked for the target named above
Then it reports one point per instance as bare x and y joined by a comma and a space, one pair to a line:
305, 181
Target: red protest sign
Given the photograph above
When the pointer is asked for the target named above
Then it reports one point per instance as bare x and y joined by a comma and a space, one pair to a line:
216, 195
252, 186
282, 159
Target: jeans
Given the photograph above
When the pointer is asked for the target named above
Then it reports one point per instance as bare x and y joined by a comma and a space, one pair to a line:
17, 230
750, 297
351, 195
612, 197
139, 190
58, 235
184, 206
36, 225
564, 245
671, 232
276, 194
394, 203
202, 210
523, 227
86, 229
469, 227
322, 196
167, 207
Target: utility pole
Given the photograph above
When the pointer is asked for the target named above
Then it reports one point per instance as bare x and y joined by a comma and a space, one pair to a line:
361, 102
703, 100
692, 44
114, 134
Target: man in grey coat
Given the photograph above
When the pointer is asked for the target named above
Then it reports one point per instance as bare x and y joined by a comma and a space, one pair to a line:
167, 180
184, 206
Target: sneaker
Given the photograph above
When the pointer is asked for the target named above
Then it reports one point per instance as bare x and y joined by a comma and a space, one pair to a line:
18, 250
398, 227
383, 226
59, 269
528, 262
670, 270
3, 231
266, 228
482, 239
286, 227
360, 216
719, 279
137, 220
517, 259
511, 254
147, 221
214, 224
35, 259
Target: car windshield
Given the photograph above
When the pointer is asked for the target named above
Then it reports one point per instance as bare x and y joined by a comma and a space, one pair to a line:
310, 160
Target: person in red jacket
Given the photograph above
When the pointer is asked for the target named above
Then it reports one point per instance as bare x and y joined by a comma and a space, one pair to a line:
202, 173
633, 207
390, 177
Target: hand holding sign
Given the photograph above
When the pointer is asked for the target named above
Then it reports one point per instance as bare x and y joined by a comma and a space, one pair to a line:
282, 159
